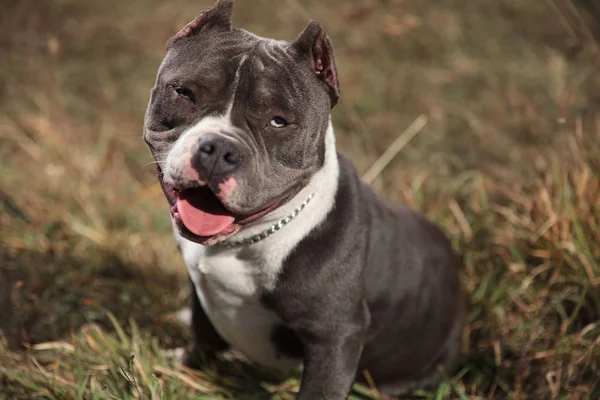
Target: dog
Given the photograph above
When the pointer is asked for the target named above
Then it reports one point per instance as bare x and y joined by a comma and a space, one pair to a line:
294, 261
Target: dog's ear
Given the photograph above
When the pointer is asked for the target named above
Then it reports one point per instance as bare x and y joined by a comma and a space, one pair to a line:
218, 17
313, 46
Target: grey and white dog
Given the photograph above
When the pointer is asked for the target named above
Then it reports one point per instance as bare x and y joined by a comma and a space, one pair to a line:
293, 260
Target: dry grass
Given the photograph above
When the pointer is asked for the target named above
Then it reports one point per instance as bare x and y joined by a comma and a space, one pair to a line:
508, 164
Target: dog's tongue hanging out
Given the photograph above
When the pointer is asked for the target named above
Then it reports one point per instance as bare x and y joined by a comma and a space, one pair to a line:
202, 213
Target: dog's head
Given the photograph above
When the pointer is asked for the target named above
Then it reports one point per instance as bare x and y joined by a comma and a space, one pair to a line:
237, 122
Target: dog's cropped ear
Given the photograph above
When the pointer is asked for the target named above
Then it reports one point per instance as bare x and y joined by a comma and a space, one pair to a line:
218, 17
313, 46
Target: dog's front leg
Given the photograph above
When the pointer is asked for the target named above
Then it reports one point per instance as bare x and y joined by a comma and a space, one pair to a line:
206, 341
330, 363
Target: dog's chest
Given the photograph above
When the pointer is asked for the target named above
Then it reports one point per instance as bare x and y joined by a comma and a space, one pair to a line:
230, 287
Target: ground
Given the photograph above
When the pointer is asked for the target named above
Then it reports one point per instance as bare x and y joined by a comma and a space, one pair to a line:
507, 162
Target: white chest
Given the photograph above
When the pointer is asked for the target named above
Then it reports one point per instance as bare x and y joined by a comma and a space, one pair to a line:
229, 287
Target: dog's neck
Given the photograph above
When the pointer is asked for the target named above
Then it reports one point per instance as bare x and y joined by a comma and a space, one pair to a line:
296, 218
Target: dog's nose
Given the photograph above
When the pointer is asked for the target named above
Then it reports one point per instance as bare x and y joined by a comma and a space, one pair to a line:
216, 156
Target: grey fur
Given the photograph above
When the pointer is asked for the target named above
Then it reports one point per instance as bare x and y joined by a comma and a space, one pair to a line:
373, 285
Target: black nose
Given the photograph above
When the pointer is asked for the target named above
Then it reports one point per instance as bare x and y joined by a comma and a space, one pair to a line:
216, 156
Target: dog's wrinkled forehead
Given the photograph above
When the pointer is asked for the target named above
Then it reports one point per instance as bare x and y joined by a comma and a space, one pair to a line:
221, 65
210, 54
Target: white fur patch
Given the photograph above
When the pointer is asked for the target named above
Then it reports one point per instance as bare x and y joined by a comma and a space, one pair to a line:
177, 170
230, 282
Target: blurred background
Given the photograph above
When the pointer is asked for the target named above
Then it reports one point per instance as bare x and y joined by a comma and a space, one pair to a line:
508, 164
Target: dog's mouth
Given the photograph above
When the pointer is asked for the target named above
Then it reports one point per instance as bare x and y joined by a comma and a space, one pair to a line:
201, 216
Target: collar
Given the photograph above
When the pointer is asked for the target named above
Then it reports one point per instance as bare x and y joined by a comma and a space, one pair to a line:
230, 243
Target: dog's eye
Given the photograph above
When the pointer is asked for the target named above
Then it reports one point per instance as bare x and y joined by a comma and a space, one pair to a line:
186, 93
278, 122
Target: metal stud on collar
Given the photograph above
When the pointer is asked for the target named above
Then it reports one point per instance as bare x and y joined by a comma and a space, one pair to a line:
270, 230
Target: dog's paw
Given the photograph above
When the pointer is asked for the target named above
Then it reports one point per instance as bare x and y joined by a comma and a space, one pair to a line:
192, 359
189, 358
176, 354
184, 316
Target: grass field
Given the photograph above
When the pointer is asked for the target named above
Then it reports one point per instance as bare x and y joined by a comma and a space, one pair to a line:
508, 164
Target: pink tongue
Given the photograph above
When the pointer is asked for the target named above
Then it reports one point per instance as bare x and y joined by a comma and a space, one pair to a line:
202, 213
